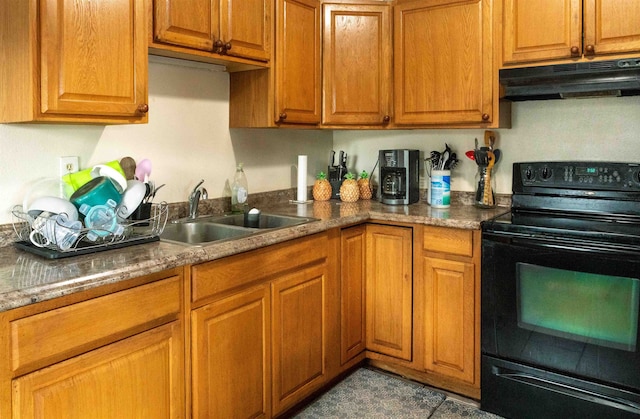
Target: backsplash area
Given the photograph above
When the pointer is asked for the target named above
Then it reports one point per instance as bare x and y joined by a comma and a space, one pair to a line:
188, 139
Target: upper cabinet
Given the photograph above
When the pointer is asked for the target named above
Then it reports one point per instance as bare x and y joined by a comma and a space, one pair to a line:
356, 65
573, 29
443, 63
288, 93
234, 28
73, 61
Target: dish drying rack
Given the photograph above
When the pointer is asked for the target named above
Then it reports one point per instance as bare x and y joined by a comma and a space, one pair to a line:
135, 232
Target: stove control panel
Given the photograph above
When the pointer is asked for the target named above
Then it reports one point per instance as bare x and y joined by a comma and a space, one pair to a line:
579, 175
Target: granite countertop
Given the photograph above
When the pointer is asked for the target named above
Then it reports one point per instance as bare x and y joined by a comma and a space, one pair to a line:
26, 279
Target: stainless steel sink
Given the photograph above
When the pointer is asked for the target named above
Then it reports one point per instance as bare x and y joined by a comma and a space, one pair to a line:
262, 221
198, 233
210, 229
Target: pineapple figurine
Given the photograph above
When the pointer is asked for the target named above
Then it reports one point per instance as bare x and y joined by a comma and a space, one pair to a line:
349, 191
321, 188
364, 185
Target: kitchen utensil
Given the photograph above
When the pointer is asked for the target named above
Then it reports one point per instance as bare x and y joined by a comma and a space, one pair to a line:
131, 199
128, 165
52, 205
97, 192
470, 154
489, 139
143, 170
205, 194
119, 180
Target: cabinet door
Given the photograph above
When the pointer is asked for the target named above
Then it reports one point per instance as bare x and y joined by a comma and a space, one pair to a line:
93, 58
188, 23
297, 84
231, 373
449, 318
541, 30
352, 298
443, 65
389, 290
356, 64
298, 335
611, 26
139, 377
246, 26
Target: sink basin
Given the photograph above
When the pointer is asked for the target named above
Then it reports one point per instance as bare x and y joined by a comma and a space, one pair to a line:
206, 230
264, 220
199, 233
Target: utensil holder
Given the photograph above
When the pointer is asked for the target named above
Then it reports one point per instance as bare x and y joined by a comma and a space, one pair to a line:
485, 197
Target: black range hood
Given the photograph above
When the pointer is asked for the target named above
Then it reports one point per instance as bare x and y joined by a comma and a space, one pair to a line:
563, 81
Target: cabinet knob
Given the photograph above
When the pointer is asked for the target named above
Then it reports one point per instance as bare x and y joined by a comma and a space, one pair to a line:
282, 117
386, 119
227, 46
485, 117
143, 108
218, 44
590, 50
575, 51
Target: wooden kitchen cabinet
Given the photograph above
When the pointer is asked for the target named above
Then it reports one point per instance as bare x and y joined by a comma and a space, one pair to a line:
288, 93
443, 64
568, 30
447, 307
264, 339
106, 352
231, 352
389, 290
236, 28
73, 61
356, 65
352, 292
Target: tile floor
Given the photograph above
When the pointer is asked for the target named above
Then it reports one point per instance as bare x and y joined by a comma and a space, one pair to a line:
370, 393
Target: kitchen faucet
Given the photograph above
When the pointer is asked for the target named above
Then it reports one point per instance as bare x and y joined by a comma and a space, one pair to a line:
194, 199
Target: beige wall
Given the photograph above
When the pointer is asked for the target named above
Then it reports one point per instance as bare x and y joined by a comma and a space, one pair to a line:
188, 139
577, 129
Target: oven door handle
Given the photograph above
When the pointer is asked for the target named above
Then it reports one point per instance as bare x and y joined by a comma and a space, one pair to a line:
566, 389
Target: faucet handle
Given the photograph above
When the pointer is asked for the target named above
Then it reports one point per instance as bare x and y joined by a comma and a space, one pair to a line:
198, 185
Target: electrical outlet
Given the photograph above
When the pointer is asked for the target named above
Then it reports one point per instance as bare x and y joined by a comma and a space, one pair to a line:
68, 164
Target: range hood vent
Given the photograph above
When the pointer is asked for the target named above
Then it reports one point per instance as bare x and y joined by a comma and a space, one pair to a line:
563, 81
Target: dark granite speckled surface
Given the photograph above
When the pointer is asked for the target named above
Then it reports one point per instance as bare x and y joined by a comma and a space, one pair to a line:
27, 279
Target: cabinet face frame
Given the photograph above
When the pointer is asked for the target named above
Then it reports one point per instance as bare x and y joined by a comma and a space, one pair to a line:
352, 295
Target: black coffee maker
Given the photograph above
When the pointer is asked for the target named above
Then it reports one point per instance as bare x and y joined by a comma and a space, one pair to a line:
399, 176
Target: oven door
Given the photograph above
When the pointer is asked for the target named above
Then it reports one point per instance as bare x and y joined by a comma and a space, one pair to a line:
570, 309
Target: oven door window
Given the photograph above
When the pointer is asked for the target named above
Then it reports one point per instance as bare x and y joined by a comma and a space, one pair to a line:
571, 311
581, 306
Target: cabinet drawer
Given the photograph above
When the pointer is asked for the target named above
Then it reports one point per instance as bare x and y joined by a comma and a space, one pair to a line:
448, 240
232, 273
58, 334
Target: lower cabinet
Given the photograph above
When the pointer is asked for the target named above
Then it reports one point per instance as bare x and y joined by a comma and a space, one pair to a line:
447, 307
112, 352
265, 328
389, 288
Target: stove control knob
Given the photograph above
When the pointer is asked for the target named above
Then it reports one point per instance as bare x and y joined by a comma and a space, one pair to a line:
546, 173
528, 174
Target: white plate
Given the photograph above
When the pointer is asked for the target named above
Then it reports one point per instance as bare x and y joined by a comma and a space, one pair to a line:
103, 170
132, 198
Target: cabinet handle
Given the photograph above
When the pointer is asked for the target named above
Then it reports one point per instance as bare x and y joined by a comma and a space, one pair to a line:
485, 117
282, 117
575, 51
218, 47
227, 46
143, 108
386, 119
590, 50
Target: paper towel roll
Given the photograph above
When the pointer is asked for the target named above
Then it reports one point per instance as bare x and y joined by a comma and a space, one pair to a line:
302, 178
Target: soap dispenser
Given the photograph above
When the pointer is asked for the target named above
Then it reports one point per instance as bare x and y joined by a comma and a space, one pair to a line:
239, 191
